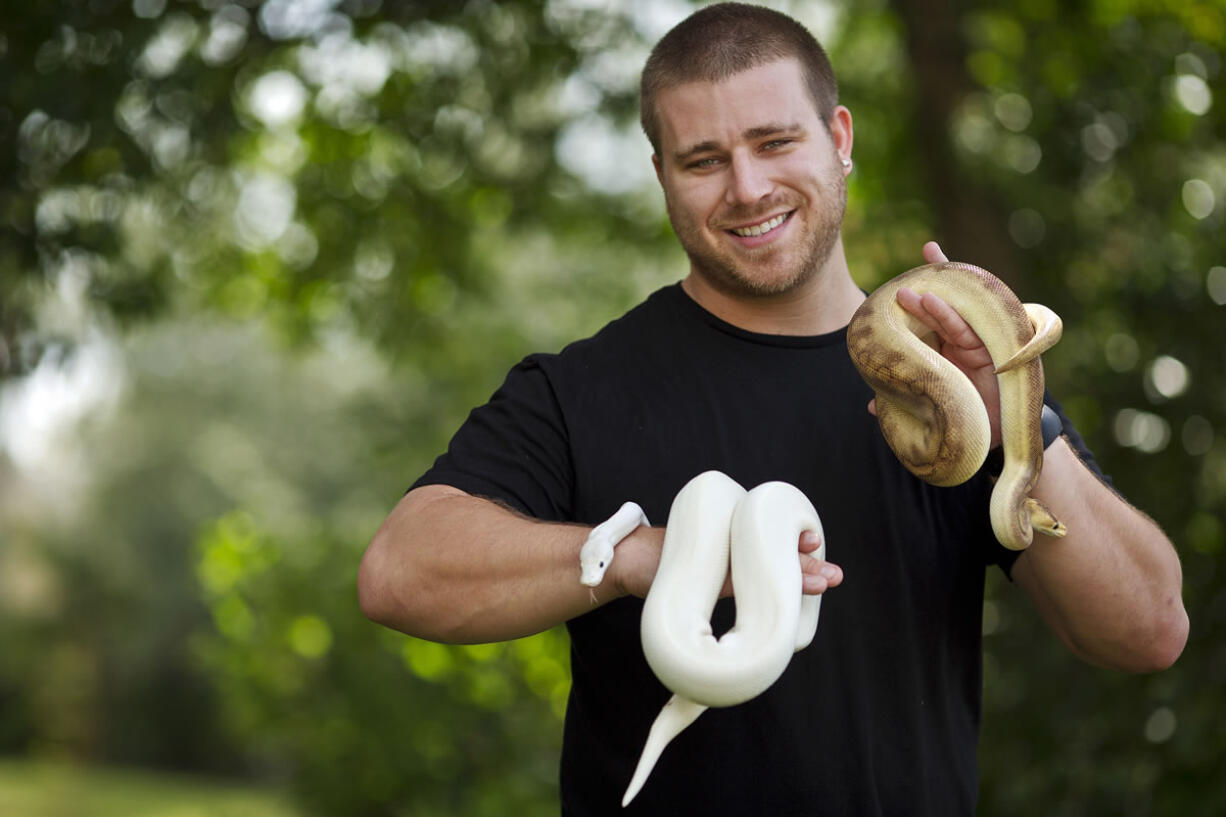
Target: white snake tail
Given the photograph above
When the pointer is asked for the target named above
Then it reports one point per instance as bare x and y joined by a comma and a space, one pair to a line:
932, 416
714, 522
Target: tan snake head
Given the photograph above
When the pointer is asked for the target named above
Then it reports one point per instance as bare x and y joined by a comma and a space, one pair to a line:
931, 415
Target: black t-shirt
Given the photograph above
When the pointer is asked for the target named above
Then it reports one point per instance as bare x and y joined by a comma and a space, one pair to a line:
880, 714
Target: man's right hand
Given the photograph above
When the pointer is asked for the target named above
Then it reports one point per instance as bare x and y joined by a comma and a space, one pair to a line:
638, 557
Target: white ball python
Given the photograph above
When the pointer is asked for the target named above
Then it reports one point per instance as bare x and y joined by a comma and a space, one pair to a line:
934, 421
930, 413
714, 520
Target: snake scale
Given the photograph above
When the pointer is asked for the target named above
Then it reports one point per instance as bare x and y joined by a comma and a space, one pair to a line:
935, 422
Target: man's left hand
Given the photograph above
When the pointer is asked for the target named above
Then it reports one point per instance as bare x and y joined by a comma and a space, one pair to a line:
958, 343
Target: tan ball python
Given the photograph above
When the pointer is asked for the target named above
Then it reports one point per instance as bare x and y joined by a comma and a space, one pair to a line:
931, 415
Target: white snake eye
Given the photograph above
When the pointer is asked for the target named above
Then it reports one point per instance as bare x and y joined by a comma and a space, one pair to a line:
601, 563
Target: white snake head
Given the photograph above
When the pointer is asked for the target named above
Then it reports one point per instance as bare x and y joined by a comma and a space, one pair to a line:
594, 559
597, 552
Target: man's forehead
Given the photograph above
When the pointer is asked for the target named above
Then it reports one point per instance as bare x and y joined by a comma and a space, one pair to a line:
764, 98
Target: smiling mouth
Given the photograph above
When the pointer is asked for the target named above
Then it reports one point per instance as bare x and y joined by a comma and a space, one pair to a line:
761, 229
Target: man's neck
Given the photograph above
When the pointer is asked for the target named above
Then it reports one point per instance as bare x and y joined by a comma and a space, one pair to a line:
823, 304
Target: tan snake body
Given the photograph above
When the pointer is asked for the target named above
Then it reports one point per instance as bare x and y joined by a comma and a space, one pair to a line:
932, 416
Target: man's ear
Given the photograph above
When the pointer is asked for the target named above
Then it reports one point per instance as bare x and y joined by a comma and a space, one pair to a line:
655, 162
841, 131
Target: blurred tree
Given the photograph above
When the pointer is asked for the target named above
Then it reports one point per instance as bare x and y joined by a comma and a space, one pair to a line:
301, 161
198, 607
336, 177
383, 205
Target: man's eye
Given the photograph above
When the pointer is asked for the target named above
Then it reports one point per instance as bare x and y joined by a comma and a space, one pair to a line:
702, 164
776, 143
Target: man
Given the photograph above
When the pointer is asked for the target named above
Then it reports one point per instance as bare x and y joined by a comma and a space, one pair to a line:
743, 367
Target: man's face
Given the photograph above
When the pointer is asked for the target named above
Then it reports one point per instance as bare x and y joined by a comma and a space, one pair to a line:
752, 179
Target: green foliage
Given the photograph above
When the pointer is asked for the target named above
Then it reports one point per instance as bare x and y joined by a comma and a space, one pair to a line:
268, 258
51, 789
198, 607
347, 165
364, 721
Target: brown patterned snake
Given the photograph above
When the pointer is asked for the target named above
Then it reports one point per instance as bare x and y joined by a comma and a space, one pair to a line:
932, 416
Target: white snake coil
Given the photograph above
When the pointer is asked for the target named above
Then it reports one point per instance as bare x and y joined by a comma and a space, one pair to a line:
935, 422
714, 521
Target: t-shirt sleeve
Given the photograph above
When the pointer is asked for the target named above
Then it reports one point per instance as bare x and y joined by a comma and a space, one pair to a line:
514, 449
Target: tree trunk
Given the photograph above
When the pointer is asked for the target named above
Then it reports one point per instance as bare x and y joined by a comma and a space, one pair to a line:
970, 224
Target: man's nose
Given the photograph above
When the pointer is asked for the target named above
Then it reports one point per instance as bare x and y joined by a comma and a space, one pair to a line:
748, 181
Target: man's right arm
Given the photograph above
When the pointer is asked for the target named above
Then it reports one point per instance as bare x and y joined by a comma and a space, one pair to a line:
452, 567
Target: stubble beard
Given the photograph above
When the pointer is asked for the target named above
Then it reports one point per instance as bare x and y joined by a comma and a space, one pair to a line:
736, 277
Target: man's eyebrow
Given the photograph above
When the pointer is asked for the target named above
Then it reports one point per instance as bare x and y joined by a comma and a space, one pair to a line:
694, 150
758, 132
772, 129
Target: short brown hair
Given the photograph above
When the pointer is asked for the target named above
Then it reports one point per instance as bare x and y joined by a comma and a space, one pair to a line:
718, 41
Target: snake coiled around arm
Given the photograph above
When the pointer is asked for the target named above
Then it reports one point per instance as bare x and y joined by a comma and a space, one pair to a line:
932, 416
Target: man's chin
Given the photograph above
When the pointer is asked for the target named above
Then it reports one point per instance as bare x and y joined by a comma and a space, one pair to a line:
756, 283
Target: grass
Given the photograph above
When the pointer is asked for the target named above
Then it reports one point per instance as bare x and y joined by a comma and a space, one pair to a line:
49, 789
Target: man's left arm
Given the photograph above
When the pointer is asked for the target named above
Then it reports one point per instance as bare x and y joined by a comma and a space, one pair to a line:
1111, 588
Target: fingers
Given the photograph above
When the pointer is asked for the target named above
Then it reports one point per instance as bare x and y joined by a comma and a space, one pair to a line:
950, 325
913, 302
818, 576
809, 541
942, 319
937, 315
933, 254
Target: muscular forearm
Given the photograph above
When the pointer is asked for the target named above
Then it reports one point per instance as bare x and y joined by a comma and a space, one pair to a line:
1111, 587
451, 567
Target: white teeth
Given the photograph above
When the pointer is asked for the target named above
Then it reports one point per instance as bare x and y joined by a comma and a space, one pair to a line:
760, 229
